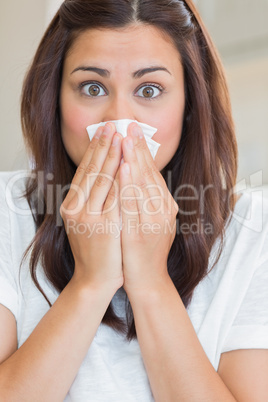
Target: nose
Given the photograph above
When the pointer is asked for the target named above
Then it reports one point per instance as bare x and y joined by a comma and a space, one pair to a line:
119, 108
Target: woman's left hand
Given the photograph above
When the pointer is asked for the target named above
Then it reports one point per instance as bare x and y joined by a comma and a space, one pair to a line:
148, 216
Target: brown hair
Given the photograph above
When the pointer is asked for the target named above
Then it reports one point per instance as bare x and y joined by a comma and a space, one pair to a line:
205, 159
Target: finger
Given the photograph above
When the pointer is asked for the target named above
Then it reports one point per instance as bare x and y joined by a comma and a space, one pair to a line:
111, 206
106, 177
144, 201
98, 158
154, 190
147, 154
128, 203
82, 168
159, 190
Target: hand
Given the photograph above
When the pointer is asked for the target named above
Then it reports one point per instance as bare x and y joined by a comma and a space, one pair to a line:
90, 212
148, 216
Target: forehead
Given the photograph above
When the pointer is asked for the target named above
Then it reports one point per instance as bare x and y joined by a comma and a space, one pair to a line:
133, 45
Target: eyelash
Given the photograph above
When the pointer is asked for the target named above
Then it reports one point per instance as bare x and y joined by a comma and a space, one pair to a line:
159, 87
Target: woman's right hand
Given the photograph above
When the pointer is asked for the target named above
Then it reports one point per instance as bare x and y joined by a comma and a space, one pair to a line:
91, 213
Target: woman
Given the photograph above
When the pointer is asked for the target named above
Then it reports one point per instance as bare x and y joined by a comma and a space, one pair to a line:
170, 309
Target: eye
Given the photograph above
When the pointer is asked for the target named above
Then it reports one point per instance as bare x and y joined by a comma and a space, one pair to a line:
92, 89
150, 91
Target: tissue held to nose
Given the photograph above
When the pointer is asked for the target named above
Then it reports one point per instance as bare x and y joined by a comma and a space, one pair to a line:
121, 127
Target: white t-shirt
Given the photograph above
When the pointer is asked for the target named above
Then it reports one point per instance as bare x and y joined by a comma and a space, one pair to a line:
229, 309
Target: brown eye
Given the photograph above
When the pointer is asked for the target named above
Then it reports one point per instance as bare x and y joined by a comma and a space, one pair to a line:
92, 90
148, 92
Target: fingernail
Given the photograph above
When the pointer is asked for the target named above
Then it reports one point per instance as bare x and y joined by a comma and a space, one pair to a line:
107, 129
137, 131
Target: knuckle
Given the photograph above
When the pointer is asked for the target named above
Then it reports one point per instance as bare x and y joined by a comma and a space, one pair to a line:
140, 184
111, 201
133, 158
155, 170
69, 212
146, 171
62, 211
66, 216
130, 204
103, 141
113, 192
140, 145
101, 180
91, 168
66, 210
81, 168
176, 207
112, 154
111, 196
173, 206
93, 143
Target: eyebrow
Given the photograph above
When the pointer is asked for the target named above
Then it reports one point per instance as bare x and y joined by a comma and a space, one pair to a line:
137, 74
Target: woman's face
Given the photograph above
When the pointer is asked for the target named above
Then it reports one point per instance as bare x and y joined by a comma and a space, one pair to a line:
121, 87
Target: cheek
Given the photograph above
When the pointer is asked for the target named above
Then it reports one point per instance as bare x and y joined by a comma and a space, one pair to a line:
169, 140
168, 135
74, 121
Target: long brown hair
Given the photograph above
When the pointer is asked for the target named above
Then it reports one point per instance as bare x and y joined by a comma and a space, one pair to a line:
206, 158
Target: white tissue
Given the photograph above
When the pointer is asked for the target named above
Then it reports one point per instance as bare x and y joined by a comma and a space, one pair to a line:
121, 127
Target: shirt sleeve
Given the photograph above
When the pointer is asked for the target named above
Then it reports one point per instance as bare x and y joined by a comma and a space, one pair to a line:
250, 327
8, 284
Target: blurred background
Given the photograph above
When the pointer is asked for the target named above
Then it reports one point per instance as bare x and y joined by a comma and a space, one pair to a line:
239, 29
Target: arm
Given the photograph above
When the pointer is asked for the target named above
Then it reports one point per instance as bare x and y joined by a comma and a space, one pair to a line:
8, 334
177, 366
180, 370
245, 373
44, 367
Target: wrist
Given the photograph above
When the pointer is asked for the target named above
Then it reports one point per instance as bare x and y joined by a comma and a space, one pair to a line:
86, 285
148, 290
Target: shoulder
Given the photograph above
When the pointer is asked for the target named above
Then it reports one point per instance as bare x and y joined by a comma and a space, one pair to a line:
17, 179
13, 186
248, 227
15, 210
251, 210
16, 232
245, 244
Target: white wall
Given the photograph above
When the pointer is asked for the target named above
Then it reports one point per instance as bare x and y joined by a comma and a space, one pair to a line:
21, 27
248, 84
51, 8
240, 31
240, 35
